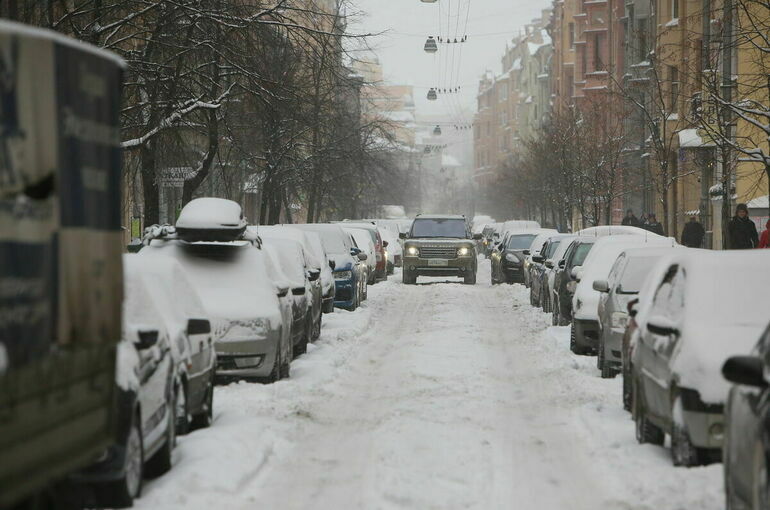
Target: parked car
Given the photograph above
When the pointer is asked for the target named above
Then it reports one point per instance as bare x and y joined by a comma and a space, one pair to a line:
538, 289
746, 446
286, 300
613, 230
228, 270
699, 318
146, 403
490, 236
381, 273
622, 285
347, 263
534, 249
597, 265
393, 251
518, 226
190, 333
551, 266
327, 276
363, 242
312, 266
508, 257
439, 245
565, 278
303, 288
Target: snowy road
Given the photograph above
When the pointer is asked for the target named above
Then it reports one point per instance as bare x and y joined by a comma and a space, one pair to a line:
439, 396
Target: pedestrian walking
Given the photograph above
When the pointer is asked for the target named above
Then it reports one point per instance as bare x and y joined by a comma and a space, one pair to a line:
764, 239
653, 225
693, 233
741, 230
631, 220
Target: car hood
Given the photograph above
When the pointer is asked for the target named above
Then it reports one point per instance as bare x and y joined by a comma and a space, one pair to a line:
438, 241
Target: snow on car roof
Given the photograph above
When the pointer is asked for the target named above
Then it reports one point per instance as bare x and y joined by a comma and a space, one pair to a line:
613, 230
362, 238
211, 213
541, 238
333, 238
295, 234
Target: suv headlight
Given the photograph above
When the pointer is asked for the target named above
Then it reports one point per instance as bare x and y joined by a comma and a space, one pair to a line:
343, 275
413, 251
619, 319
464, 251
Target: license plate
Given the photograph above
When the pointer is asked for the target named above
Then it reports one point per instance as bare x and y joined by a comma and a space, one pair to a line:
438, 262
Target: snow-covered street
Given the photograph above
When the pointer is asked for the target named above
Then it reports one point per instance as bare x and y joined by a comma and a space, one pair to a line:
437, 396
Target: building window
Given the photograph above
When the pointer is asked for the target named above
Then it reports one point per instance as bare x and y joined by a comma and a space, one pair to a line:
598, 41
673, 73
572, 36
674, 9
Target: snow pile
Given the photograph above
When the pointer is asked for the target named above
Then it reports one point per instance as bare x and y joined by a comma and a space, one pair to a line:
211, 213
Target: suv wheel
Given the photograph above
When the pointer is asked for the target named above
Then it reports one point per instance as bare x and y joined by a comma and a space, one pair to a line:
646, 432
470, 278
683, 452
408, 277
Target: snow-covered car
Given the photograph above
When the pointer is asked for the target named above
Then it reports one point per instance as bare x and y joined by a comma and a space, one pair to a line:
538, 288
363, 242
699, 317
282, 285
565, 278
381, 272
551, 265
622, 285
306, 294
327, 277
237, 294
613, 230
534, 249
346, 259
312, 266
146, 402
746, 445
190, 332
597, 265
518, 226
508, 257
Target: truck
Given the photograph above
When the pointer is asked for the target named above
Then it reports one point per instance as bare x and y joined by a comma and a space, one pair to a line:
60, 257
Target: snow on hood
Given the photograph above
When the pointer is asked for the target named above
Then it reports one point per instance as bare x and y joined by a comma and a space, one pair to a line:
211, 213
230, 278
316, 246
286, 232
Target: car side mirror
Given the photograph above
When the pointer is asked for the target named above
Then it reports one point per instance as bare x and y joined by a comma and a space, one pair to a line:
402, 235
632, 307
198, 327
576, 272
662, 326
478, 237
527, 252
746, 370
355, 251
313, 275
146, 339
537, 258
281, 289
601, 286
562, 264
549, 264
362, 256
384, 244
332, 265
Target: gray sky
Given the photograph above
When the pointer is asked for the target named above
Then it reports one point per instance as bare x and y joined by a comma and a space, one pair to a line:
491, 23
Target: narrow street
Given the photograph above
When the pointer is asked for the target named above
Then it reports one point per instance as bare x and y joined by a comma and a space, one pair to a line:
436, 396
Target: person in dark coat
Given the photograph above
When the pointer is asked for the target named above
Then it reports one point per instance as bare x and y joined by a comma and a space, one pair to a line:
631, 220
693, 233
742, 231
653, 225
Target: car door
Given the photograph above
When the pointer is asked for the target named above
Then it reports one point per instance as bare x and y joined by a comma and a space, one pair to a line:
605, 297
155, 367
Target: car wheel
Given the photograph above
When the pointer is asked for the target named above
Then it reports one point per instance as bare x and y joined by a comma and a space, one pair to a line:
555, 313
121, 493
182, 411
206, 416
328, 306
646, 432
408, 278
275, 372
627, 392
317, 328
160, 463
301, 347
470, 278
761, 495
683, 452
573, 345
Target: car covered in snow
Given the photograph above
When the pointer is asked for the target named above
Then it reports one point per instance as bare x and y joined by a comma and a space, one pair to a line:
439, 245
534, 249
539, 293
311, 262
623, 283
237, 293
315, 245
381, 261
363, 242
508, 257
565, 278
147, 401
347, 263
596, 266
698, 318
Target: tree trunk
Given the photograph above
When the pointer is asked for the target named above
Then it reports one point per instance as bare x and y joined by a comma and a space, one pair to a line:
150, 191
191, 185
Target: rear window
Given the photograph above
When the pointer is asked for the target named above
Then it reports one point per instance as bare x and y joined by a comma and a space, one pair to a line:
520, 242
580, 254
439, 228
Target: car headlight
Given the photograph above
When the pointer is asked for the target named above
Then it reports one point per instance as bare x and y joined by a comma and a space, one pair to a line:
343, 275
619, 319
413, 251
510, 257
463, 251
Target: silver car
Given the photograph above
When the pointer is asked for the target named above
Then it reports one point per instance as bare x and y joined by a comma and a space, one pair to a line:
622, 285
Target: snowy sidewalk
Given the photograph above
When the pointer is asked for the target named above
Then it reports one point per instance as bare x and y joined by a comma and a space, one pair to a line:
437, 396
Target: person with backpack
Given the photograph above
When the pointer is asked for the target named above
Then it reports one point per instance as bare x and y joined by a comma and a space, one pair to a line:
741, 230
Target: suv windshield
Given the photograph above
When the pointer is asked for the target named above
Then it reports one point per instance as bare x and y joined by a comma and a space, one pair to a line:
439, 228
520, 242
580, 254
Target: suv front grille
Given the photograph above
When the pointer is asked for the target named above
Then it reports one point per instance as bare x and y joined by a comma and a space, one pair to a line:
438, 252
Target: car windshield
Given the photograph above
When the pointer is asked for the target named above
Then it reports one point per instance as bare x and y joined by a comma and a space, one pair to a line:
439, 228
552, 249
580, 253
637, 270
520, 242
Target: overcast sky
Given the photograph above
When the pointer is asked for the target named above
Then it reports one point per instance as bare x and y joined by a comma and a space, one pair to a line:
491, 23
